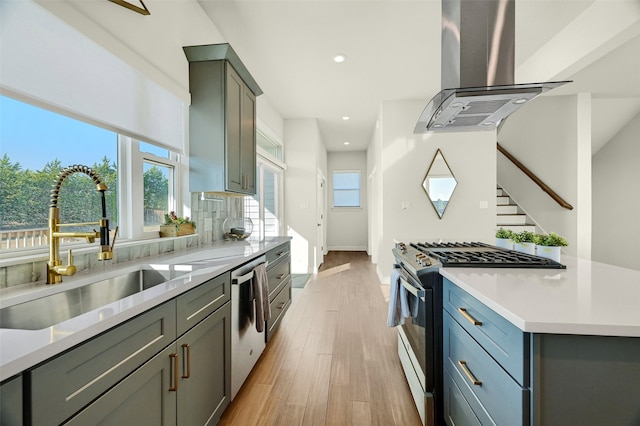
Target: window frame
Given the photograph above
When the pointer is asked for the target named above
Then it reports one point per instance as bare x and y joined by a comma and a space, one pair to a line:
265, 160
333, 189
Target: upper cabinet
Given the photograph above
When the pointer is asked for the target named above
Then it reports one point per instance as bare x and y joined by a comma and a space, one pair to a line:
222, 121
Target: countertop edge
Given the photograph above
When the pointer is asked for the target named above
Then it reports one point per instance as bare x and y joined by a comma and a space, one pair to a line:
590, 328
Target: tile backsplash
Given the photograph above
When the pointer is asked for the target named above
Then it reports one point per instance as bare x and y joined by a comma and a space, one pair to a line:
209, 215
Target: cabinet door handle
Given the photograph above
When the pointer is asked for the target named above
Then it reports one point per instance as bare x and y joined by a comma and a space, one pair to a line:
469, 374
174, 388
468, 317
188, 358
279, 277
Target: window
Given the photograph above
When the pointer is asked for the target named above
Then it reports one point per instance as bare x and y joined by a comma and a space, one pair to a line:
346, 188
265, 209
158, 167
37, 144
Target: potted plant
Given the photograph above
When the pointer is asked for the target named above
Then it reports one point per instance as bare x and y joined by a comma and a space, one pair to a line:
175, 226
504, 238
524, 242
550, 245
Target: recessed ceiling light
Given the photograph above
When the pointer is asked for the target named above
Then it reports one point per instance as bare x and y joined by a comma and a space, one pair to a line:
346, 143
520, 101
339, 58
345, 118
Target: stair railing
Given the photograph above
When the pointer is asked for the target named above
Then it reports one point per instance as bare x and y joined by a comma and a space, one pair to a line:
558, 199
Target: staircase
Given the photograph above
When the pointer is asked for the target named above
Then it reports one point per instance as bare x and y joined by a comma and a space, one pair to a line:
510, 216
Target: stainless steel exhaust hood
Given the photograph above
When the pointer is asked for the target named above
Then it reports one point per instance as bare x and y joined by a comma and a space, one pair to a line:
478, 39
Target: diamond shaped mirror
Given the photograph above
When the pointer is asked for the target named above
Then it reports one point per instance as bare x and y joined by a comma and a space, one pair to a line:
439, 183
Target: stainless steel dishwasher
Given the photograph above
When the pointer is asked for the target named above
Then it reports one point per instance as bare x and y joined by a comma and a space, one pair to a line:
247, 343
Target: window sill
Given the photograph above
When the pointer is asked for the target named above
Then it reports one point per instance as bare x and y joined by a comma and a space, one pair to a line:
344, 209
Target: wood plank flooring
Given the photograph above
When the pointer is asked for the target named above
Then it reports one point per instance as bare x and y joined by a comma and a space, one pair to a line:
333, 361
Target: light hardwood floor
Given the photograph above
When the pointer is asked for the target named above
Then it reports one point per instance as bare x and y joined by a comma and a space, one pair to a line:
333, 361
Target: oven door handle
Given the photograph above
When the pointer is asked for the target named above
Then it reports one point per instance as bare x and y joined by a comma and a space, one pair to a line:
411, 289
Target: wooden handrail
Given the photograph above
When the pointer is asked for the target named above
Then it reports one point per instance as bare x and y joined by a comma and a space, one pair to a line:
558, 199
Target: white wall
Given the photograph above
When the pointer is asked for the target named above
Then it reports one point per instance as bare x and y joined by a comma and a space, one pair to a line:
347, 227
305, 155
546, 137
403, 158
375, 195
616, 199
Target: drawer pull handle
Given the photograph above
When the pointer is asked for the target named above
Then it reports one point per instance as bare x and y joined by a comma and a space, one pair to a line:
174, 388
188, 357
280, 253
469, 374
279, 277
468, 317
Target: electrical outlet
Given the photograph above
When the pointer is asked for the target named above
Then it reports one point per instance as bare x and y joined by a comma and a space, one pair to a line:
484, 204
406, 205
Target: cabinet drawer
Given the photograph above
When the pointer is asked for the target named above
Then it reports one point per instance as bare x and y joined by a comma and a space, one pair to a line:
456, 409
195, 305
62, 386
495, 397
504, 341
279, 252
277, 276
279, 306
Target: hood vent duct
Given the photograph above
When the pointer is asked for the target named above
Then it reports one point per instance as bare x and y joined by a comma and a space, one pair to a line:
477, 80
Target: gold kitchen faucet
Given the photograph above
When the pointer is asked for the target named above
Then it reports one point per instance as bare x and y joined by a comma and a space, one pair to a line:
55, 269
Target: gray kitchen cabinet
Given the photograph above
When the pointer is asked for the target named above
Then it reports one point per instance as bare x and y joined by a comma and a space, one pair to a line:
222, 121
173, 360
11, 402
145, 397
204, 390
64, 385
279, 275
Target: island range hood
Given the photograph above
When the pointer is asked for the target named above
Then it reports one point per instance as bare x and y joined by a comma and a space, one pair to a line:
478, 45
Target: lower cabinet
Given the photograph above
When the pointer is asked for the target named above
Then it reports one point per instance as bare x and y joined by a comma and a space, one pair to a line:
64, 385
185, 384
143, 398
279, 275
485, 372
11, 402
204, 386
170, 365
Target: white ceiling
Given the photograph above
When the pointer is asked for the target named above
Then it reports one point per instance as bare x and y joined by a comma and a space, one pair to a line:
393, 53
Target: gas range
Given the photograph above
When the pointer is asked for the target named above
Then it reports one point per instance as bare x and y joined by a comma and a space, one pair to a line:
423, 257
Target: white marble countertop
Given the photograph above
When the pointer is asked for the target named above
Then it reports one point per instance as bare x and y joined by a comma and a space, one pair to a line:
588, 298
23, 349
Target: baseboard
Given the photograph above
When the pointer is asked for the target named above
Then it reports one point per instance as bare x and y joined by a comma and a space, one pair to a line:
347, 248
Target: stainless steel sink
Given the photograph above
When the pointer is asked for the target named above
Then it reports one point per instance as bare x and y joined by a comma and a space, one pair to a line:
53, 309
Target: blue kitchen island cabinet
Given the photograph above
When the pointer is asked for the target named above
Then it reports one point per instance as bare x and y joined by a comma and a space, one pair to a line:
497, 374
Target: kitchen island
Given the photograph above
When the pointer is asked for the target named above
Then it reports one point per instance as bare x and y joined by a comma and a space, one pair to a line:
541, 347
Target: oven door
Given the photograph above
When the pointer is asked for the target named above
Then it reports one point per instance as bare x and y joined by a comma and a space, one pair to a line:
416, 346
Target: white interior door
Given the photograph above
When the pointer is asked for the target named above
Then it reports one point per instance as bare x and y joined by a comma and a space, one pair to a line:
320, 219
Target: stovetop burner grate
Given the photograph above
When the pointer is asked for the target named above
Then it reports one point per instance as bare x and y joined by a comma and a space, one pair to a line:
477, 254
